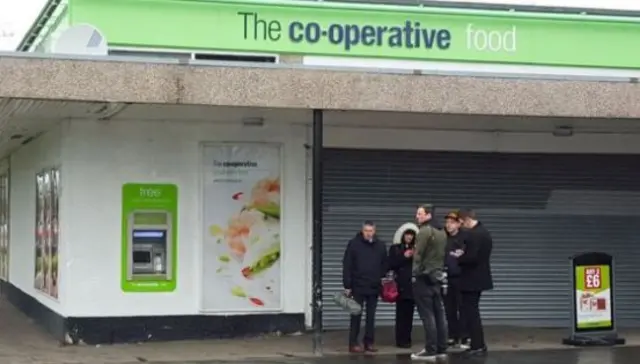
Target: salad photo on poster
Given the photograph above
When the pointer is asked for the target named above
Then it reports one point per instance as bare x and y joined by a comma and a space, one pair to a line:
242, 241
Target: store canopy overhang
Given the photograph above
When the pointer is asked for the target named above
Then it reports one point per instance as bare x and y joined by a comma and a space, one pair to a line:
116, 80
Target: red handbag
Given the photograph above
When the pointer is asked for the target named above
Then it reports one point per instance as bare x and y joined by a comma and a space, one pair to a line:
389, 291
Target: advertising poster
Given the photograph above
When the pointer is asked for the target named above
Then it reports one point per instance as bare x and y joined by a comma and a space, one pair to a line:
39, 253
46, 237
4, 227
593, 297
242, 244
54, 232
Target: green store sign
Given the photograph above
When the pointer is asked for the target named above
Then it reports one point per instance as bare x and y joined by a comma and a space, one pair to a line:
333, 29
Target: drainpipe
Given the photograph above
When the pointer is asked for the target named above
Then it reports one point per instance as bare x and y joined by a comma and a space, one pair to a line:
316, 176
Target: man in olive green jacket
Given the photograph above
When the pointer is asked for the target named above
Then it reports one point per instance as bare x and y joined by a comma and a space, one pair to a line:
428, 264
430, 245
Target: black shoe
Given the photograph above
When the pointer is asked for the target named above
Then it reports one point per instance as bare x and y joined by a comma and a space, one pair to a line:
452, 342
475, 352
404, 346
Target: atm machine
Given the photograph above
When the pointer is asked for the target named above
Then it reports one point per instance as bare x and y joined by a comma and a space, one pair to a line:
149, 248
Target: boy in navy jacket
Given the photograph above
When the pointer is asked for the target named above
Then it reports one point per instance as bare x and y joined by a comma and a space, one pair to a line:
455, 320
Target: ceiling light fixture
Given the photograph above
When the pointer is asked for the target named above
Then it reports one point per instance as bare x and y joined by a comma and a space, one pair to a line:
253, 121
563, 131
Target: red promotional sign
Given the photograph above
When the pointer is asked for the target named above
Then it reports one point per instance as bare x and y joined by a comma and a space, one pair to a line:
592, 278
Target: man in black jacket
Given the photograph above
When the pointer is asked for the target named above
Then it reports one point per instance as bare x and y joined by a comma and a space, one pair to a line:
363, 267
475, 276
453, 299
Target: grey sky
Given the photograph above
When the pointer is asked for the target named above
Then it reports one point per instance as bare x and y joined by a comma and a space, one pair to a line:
16, 16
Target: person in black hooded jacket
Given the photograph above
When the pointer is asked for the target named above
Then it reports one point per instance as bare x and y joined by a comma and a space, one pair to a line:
400, 262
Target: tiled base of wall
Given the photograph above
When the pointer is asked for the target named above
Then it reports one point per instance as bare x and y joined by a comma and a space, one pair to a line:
106, 330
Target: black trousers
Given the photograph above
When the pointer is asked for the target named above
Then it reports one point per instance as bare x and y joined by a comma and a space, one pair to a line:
369, 303
404, 321
455, 316
471, 313
428, 299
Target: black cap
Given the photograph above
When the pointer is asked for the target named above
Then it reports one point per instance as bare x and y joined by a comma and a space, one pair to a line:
453, 215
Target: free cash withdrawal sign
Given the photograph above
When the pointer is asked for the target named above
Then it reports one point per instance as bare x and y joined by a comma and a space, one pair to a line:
356, 30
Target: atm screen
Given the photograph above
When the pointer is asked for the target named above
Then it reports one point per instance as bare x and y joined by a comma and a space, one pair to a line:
141, 257
149, 236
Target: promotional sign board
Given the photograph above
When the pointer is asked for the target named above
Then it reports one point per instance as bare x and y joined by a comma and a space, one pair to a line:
149, 237
593, 304
366, 30
593, 297
242, 269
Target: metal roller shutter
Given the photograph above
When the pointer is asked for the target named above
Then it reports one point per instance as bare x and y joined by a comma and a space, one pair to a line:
539, 208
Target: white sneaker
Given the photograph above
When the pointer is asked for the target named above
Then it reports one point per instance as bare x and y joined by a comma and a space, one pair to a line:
424, 356
465, 345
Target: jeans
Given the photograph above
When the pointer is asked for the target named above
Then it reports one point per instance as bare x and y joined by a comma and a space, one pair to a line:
369, 303
428, 299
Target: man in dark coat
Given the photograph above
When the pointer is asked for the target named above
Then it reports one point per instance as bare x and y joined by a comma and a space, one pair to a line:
453, 298
400, 262
475, 277
363, 267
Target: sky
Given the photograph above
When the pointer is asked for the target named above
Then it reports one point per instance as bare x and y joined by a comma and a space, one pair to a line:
16, 17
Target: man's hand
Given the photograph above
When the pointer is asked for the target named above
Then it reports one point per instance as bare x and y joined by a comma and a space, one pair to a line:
457, 253
408, 253
347, 292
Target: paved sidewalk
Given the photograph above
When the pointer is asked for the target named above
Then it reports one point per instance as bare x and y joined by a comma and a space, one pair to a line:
23, 342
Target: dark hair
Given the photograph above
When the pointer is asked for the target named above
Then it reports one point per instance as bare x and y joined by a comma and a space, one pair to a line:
467, 213
368, 223
427, 207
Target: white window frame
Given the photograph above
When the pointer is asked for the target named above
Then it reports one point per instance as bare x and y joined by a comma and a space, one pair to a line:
192, 52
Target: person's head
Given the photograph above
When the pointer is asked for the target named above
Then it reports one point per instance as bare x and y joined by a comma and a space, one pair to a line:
368, 230
468, 218
423, 213
452, 222
408, 237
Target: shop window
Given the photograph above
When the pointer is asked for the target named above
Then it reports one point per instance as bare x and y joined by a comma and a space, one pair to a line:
4, 227
184, 56
235, 57
149, 54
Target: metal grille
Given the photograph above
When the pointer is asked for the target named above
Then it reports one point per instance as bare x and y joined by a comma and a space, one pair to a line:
540, 209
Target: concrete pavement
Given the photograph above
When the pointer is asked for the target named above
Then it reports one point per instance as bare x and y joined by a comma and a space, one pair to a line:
23, 342
627, 355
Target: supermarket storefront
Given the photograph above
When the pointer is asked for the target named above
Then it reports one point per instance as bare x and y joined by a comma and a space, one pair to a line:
526, 113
